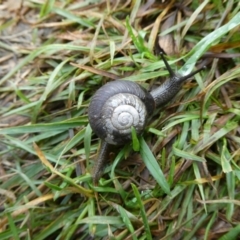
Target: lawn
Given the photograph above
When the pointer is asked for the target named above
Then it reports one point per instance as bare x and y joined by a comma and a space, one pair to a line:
179, 179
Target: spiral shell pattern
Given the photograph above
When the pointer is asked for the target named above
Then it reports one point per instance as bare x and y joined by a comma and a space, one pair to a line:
117, 107
120, 113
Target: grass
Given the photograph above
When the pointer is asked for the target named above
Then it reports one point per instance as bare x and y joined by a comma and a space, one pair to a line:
54, 56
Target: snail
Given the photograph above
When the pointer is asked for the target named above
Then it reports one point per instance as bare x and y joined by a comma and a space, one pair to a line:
121, 104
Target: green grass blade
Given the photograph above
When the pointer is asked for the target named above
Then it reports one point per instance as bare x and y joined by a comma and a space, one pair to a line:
232, 234
207, 42
135, 141
153, 167
187, 155
34, 128
143, 213
87, 141
127, 221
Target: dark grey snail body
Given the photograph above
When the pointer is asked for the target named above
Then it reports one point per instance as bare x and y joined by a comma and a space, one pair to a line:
120, 105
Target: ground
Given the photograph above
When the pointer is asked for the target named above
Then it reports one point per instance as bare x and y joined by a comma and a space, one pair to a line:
178, 180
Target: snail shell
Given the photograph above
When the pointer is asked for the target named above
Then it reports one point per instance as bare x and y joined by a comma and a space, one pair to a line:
116, 108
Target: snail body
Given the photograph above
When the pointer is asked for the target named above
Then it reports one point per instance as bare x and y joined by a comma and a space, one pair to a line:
120, 105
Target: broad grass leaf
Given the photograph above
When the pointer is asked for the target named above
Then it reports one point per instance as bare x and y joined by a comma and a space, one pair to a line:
153, 166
